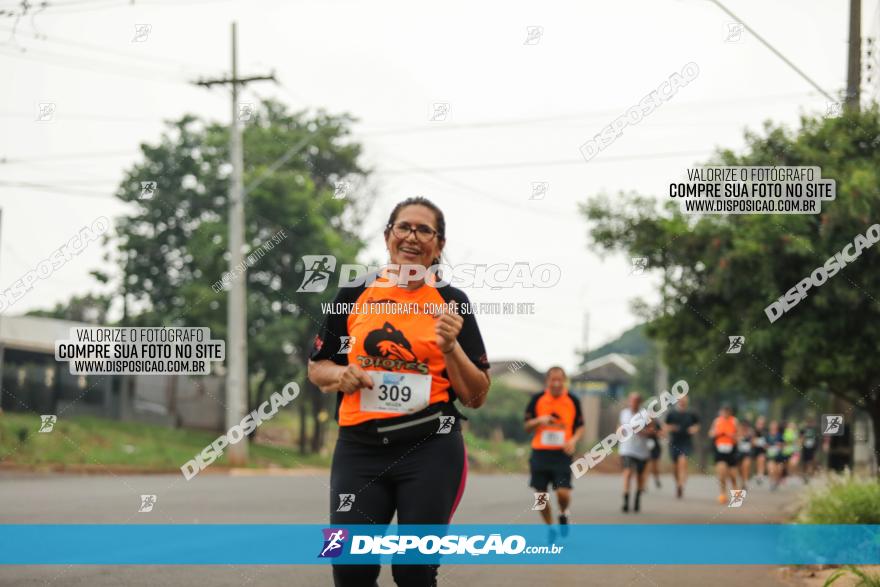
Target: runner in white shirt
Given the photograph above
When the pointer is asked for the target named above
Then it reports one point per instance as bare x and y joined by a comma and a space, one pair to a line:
634, 451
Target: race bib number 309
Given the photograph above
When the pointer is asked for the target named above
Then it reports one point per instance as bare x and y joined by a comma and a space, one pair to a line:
399, 393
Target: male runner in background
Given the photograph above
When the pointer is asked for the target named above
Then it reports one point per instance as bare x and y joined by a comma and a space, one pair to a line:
634, 452
724, 432
556, 419
681, 424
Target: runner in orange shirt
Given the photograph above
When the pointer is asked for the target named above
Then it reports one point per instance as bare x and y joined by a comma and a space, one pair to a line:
403, 365
723, 432
556, 419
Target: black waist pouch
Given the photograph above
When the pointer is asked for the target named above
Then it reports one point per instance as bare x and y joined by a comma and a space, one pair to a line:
438, 418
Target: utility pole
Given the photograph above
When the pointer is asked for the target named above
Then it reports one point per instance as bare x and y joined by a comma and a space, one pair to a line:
841, 449
236, 345
854, 62
2, 348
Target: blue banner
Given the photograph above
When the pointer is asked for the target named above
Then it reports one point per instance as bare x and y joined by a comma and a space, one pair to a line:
287, 544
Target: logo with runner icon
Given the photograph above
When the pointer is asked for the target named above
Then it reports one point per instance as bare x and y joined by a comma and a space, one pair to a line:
737, 498
832, 424
317, 271
541, 500
735, 344
446, 424
346, 501
345, 343
47, 423
334, 538
147, 503
639, 265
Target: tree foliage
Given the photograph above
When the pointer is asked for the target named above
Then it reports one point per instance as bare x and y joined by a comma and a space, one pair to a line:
172, 247
721, 271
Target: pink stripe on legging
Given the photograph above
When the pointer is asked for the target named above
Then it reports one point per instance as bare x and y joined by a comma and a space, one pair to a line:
461, 485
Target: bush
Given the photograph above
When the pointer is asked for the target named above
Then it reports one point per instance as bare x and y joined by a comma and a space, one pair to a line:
863, 578
844, 499
504, 410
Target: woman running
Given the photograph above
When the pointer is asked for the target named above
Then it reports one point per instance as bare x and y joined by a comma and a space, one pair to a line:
400, 448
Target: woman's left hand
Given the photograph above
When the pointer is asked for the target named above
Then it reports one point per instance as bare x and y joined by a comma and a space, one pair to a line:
447, 327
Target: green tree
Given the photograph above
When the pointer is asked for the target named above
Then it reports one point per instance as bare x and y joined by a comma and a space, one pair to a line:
91, 308
719, 272
504, 413
632, 342
172, 247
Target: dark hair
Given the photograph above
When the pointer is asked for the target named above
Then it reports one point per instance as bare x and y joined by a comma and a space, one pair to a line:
555, 368
420, 201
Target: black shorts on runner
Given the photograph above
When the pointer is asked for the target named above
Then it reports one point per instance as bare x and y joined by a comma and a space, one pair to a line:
633, 463
421, 481
807, 455
655, 451
677, 450
726, 457
758, 451
549, 467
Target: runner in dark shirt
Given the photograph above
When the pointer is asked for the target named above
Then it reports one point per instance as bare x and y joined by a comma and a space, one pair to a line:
744, 448
681, 425
759, 449
809, 445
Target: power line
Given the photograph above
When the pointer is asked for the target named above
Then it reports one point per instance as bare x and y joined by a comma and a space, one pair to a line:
547, 163
56, 190
69, 156
87, 6
690, 106
493, 197
87, 117
112, 51
773, 49
109, 67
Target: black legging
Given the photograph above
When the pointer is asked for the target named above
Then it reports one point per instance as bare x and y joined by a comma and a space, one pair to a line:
421, 481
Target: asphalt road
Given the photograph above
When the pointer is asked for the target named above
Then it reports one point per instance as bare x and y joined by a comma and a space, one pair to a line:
301, 498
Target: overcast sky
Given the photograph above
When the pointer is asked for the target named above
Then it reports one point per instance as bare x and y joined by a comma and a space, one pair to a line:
518, 112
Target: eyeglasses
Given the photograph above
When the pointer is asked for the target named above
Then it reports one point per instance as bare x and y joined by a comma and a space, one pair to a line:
423, 232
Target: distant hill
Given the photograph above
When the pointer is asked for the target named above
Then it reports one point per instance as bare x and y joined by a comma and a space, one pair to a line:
632, 342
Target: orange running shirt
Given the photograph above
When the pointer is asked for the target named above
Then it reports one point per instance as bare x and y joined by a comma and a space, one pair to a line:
567, 409
391, 329
725, 431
